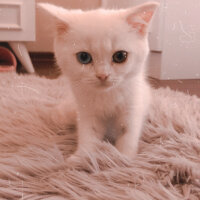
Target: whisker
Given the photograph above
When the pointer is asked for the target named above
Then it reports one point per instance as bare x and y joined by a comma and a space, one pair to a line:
82, 68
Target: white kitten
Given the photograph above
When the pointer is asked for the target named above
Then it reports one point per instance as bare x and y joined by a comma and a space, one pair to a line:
103, 52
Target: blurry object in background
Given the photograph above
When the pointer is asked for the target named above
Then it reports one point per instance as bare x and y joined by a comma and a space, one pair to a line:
8, 61
17, 26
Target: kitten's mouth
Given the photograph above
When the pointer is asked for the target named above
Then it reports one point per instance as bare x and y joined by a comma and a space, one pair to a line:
105, 85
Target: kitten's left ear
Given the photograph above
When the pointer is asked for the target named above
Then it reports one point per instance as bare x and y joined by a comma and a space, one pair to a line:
139, 17
59, 15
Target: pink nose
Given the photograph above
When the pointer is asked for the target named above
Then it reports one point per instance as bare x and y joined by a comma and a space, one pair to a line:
102, 77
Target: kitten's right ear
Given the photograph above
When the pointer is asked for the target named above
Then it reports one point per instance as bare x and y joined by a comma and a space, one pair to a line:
58, 13
139, 17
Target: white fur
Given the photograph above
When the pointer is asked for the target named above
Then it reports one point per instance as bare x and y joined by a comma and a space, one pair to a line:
125, 101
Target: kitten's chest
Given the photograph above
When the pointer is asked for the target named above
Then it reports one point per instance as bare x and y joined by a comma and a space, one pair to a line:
109, 104
103, 104
112, 129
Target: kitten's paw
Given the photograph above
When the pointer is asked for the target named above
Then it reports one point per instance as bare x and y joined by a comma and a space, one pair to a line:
128, 150
128, 153
73, 161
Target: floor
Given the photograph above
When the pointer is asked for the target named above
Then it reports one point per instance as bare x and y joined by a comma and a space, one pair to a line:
191, 86
45, 65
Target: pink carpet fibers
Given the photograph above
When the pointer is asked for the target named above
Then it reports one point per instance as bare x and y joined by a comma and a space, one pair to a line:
34, 146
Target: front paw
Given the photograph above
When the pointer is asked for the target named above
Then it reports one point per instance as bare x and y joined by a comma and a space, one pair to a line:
73, 161
129, 150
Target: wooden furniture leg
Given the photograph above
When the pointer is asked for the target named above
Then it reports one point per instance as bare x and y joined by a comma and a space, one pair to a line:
22, 54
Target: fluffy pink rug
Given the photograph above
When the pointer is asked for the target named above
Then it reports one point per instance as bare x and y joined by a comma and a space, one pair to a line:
34, 146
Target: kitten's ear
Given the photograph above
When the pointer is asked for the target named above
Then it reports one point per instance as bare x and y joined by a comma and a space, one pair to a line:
59, 14
139, 17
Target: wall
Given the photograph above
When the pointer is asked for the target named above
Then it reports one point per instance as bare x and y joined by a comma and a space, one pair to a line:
181, 44
44, 34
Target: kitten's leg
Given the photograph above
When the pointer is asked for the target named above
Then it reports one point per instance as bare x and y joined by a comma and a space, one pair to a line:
90, 130
131, 123
131, 126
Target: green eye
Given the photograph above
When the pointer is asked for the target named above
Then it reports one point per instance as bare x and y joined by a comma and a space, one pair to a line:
84, 57
120, 56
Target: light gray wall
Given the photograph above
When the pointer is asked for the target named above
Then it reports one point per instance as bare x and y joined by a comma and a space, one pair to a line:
181, 40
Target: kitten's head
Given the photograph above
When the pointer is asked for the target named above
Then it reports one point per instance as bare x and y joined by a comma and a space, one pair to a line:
101, 48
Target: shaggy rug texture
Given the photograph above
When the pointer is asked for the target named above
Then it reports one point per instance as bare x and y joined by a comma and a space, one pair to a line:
35, 144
